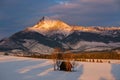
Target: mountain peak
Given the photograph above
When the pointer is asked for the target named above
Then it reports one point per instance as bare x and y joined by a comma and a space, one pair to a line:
47, 24
46, 19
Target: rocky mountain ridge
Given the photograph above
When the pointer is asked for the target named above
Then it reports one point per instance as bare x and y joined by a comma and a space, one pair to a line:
48, 34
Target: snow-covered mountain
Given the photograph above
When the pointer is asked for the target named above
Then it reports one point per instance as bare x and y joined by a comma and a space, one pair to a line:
48, 34
50, 27
29, 41
88, 41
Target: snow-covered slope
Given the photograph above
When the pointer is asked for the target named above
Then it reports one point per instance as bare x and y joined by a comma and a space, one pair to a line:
29, 41
50, 33
50, 26
19, 68
47, 26
89, 41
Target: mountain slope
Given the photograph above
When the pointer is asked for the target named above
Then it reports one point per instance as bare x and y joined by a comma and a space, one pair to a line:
45, 26
48, 34
88, 36
27, 41
92, 41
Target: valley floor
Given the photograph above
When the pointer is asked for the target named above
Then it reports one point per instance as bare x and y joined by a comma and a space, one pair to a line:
20, 68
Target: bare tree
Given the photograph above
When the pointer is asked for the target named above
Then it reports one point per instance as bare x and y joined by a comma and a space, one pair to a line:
68, 58
55, 58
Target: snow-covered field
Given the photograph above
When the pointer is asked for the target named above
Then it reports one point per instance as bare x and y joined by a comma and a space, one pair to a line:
20, 68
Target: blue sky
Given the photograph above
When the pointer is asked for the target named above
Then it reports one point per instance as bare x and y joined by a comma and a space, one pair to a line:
16, 15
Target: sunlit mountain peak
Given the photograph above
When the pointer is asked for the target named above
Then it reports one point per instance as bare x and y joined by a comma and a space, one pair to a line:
47, 24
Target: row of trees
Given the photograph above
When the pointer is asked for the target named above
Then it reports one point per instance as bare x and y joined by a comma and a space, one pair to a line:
68, 55
98, 55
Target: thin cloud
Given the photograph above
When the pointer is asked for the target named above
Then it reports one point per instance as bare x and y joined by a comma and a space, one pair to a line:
88, 5
88, 11
56, 16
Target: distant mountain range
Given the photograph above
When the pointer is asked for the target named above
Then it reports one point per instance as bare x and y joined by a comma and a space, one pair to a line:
48, 34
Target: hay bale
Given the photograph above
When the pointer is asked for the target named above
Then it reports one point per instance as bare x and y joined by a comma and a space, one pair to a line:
66, 66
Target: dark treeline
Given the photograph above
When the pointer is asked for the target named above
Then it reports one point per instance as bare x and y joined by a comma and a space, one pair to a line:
82, 55
43, 56
99, 55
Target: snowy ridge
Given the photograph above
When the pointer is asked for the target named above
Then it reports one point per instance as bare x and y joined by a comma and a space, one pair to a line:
47, 25
95, 28
49, 33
